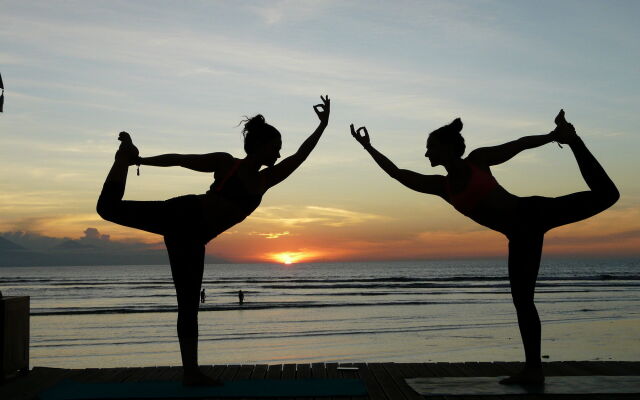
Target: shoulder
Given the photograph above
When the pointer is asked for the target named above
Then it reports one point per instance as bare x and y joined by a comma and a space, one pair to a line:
224, 156
223, 159
476, 159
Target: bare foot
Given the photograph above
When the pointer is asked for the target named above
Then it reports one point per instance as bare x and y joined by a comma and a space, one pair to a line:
564, 133
127, 151
197, 378
560, 120
528, 376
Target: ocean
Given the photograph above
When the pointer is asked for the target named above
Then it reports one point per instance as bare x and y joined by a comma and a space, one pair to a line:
410, 311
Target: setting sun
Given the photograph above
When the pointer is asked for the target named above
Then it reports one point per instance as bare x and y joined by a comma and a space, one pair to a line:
289, 257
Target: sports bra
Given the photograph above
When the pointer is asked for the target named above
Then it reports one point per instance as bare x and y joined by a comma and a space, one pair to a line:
480, 184
233, 189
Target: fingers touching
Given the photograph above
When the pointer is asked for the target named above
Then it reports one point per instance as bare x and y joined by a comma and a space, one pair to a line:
361, 135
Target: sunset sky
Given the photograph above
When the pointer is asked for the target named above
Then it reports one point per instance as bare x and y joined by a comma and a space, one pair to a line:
179, 76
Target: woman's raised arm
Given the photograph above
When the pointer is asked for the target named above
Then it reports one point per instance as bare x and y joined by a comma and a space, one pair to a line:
284, 168
498, 154
197, 162
431, 184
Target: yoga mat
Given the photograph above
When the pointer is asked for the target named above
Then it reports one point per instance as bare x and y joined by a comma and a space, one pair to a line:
70, 390
483, 386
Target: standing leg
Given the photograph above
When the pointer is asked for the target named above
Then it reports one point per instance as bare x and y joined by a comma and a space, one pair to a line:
186, 256
524, 262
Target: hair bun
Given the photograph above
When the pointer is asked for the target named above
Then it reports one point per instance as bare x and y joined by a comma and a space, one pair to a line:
456, 125
254, 123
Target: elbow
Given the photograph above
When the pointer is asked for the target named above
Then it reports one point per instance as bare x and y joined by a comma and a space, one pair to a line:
103, 209
609, 196
395, 173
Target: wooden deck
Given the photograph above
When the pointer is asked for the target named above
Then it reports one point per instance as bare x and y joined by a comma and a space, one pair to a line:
385, 381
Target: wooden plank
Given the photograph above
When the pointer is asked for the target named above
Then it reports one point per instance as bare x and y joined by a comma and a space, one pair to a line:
274, 371
230, 372
452, 369
594, 368
303, 371
141, 375
389, 386
172, 373
260, 371
436, 369
420, 370
217, 371
406, 370
502, 369
558, 368
509, 368
38, 379
348, 374
398, 377
288, 371
318, 371
244, 372
331, 372
88, 375
120, 375
373, 387
626, 367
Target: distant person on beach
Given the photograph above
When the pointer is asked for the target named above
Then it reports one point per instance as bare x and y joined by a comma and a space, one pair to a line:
189, 222
202, 296
471, 189
240, 297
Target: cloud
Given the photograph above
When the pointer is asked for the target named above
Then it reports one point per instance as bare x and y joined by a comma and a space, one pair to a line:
291, 216
94, 248
92, 236
270, 235
277, 12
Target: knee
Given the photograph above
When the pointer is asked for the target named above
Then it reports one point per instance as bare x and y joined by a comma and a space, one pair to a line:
187, 317
611, 196
104, 209
187, 323
524, 304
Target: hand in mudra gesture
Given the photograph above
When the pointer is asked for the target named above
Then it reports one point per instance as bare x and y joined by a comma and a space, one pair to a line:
323, 110
361, 135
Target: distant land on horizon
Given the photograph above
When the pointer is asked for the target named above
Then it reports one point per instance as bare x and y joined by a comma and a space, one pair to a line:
71, 252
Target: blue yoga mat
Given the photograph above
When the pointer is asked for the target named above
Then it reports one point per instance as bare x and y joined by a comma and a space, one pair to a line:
70, 390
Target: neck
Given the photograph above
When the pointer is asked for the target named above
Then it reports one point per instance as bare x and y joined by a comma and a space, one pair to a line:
455, 167
251, 163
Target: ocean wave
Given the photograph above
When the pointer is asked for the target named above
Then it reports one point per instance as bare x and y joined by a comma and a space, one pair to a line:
355, 281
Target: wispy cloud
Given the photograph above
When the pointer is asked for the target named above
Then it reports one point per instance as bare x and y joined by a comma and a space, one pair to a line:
291, 216
282, 11
271, 235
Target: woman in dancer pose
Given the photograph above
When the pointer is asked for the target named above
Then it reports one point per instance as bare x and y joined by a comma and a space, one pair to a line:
189, 222
471, 189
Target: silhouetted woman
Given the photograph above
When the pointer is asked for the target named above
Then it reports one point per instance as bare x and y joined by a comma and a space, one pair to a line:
189, 222
472, 190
